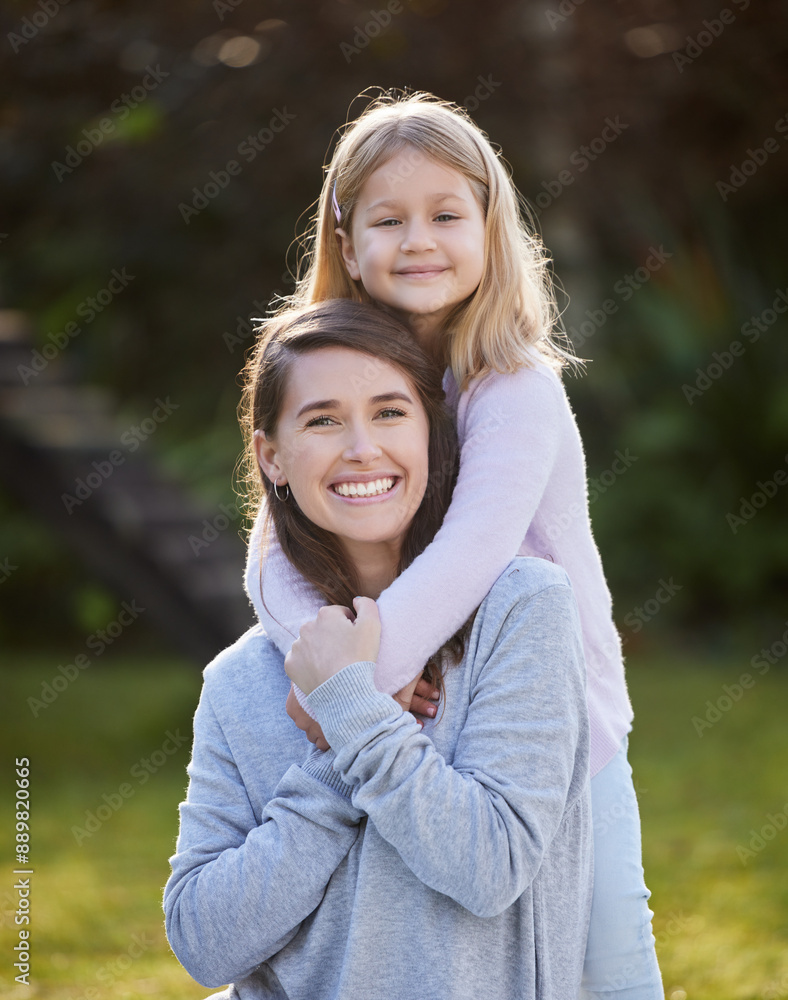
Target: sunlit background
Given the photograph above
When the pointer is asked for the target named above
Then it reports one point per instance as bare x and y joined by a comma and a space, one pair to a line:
157, 162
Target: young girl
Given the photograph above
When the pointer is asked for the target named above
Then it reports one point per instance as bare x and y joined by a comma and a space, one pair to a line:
418, 214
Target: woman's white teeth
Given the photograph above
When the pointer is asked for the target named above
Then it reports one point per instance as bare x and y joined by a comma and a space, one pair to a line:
364, 489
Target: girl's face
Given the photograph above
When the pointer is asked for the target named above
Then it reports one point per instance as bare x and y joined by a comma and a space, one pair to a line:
352, 443
417, 239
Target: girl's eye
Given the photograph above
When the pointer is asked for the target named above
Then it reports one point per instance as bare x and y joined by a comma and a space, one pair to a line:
324, 421
388, 222
446, 216
392, 411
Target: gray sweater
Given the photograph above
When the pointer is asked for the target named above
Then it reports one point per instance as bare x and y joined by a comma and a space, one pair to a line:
453, 862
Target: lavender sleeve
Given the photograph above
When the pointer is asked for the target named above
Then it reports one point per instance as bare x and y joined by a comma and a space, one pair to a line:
509, 436
282, 598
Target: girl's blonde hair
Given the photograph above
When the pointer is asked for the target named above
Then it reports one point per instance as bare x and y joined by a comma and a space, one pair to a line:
512, 316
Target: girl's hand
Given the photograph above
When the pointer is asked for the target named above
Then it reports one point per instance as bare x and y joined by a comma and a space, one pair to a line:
421, 701
418, 697
305, 722
332, 641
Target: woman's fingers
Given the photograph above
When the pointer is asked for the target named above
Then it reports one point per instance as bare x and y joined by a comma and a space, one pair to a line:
332, 641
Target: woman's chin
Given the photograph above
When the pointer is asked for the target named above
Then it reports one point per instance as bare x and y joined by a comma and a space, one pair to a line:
370, 535
378, 520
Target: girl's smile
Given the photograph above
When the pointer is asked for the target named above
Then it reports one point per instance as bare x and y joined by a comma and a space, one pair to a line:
421, 271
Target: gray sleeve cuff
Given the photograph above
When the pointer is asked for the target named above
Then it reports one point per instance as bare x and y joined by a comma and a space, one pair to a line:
348, 703
320, 764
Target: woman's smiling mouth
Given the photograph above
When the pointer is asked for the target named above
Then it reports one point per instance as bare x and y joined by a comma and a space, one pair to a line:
363, 490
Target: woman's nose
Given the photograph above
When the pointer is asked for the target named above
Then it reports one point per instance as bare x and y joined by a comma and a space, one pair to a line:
361, 446
417, 237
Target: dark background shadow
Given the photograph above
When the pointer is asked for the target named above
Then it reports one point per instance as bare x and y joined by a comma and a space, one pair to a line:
649, 139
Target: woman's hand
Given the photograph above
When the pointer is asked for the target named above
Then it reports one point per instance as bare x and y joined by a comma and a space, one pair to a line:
332, 641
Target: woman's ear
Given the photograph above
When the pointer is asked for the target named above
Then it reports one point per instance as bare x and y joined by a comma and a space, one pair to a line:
348, 254
266, 451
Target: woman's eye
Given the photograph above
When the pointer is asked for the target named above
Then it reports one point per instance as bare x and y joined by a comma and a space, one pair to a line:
324, 421
392, 411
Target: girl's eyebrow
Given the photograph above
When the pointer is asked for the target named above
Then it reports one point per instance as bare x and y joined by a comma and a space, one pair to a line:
333, 404
394, 203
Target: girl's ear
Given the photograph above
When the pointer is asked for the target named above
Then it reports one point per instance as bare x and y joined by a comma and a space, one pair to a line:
348, 255
266, 452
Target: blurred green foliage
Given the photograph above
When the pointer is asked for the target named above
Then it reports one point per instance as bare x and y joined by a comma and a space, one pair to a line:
547, 85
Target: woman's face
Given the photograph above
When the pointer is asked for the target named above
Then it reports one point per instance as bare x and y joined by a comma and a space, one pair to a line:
352, 443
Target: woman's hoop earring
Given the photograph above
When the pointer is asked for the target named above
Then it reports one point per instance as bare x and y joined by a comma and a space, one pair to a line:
276, 492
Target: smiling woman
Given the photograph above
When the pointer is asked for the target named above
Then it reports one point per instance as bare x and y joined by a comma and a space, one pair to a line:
307, 873
340, 399
343, 456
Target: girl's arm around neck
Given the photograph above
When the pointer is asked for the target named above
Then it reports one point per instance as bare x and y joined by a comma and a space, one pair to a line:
240, 886
510, 440
289, 600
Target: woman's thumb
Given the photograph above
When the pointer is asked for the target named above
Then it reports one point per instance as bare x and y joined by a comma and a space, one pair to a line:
366, 610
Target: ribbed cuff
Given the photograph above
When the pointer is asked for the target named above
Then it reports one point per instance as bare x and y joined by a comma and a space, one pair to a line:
349, 703
301, 699
320, 764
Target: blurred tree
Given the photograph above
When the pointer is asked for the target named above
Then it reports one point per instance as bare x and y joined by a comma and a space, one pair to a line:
182, 144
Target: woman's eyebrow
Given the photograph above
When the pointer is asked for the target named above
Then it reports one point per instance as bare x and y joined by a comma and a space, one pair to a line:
389, 397
333, 404
318, 404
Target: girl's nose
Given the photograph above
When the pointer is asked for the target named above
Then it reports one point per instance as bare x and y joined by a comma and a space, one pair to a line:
417, 237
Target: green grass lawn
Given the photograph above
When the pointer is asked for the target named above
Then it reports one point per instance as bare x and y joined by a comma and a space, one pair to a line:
716, 863
721, 915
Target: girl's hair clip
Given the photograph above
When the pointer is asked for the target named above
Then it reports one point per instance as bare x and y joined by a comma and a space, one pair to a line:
335, 203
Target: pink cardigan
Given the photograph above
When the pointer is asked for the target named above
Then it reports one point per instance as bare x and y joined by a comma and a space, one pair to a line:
521, 490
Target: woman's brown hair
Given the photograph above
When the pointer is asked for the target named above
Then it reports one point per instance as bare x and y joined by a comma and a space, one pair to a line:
316, 553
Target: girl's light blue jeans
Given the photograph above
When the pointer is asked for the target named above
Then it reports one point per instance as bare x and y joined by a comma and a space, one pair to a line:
621, 959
